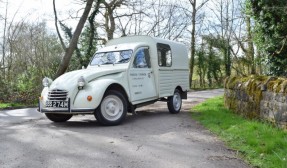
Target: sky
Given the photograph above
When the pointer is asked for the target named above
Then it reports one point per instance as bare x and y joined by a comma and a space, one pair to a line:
38, 10
42, 10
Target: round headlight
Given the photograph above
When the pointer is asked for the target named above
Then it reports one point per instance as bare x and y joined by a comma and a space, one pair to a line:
46, 82
81, 82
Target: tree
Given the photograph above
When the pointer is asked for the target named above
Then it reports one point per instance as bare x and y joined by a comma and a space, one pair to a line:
227, 25
73, 42
88, 40
166, 19
201, 64
195, 9
250, 50
223, 30
270, 32
110, 24
3, 45
246, 63
32, 52
158, 18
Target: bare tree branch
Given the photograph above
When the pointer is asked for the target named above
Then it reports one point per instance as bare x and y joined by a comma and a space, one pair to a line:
57, 28
73, 44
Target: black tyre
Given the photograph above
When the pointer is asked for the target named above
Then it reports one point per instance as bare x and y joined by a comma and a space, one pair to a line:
174, 102
58, 117
112, 110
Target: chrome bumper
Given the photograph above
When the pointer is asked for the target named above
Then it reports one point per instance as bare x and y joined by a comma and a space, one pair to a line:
68, 110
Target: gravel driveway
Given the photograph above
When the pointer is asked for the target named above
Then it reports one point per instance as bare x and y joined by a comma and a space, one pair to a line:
152, 138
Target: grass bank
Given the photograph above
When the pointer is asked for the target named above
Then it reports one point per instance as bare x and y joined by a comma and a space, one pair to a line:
260, 144
10, 105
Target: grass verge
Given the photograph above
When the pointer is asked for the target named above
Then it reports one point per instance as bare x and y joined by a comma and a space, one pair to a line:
260, 144
10, 105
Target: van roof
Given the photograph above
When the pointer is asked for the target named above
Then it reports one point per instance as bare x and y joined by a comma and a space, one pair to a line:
121, 46
179, 50
140, 38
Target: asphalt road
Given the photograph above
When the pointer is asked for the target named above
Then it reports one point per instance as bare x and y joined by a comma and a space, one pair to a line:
152, 138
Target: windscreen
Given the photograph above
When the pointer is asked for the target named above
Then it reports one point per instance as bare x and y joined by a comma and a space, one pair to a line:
111, 57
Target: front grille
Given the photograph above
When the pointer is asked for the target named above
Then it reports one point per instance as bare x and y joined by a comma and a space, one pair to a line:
58, 95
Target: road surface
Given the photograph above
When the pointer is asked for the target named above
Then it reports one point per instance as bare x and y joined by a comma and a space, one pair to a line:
152, 138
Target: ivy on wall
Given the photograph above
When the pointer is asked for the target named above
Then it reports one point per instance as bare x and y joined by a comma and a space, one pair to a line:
270, 32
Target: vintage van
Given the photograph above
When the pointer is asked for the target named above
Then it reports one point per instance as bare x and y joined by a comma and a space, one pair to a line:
128, 73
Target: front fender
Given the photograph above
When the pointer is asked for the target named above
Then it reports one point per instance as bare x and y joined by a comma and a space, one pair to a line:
96, 89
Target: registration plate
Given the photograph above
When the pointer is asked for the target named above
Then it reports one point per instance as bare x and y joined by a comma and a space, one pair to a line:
58, 104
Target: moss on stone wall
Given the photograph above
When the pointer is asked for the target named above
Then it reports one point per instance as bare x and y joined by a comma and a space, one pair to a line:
246, 100
243, 95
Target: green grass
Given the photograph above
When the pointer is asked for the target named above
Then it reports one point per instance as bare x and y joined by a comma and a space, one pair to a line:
8, 105
260, 144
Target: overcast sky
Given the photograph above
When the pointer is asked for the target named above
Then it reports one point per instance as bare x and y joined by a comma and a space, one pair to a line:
38, 10
42, 10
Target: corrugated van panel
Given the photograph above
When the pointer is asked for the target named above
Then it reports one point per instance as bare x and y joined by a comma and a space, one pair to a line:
165, 83
181, 78
170, 79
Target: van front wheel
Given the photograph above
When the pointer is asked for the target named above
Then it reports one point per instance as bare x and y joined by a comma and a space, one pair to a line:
174, 102
58, 117
112, 110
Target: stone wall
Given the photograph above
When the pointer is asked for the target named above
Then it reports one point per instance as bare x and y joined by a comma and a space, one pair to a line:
258, 97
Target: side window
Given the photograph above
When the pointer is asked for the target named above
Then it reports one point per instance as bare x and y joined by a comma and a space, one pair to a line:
164, 55
142, 58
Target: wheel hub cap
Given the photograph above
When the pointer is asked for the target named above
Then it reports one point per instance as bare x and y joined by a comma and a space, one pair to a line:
112, 108
176, 101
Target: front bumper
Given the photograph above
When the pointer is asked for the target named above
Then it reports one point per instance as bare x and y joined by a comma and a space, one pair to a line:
69, 110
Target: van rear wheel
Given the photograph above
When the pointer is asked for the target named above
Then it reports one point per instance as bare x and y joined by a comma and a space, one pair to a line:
112, 110
58, 117
174, 102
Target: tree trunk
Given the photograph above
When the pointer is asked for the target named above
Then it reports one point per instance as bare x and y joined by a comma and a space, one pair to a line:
191, 64
73, 43
250, 45
110, 24
3, 66
93, 29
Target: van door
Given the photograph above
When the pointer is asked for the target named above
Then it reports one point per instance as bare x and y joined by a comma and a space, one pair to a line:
141, 77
